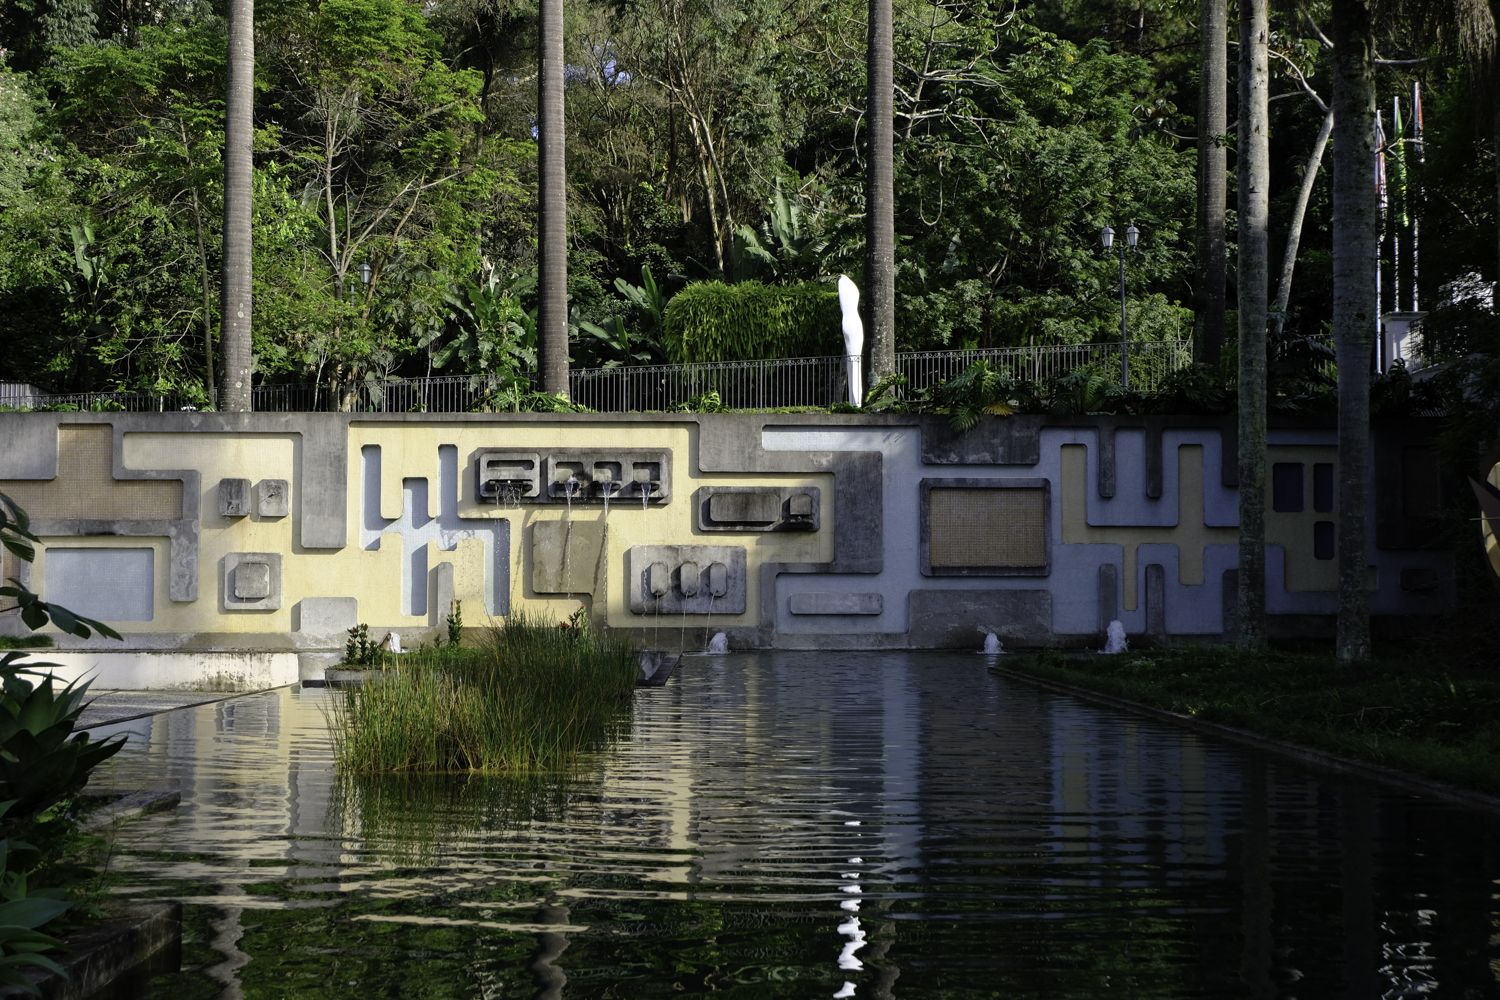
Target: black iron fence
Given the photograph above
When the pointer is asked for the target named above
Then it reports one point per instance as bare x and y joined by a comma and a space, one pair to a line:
735, 385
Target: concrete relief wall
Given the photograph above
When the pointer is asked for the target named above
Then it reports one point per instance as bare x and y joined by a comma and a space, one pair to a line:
279, 531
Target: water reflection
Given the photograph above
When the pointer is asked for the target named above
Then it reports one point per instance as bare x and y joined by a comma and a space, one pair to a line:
808, 825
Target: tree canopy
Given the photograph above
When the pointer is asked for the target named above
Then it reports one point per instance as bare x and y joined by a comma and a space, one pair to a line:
707, 140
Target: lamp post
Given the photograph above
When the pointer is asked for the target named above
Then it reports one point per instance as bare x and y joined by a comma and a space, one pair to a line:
1132, 238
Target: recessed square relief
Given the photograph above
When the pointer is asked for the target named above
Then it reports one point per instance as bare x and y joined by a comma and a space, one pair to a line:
984, 527
252, 581
113, 585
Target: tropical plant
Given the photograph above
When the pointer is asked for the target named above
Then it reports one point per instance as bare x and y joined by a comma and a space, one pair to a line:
786, 245
977, 390
491, 337
23, 913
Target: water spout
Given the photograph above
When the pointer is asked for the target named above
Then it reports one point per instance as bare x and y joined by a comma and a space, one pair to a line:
1114, 640
992, 644
719, 643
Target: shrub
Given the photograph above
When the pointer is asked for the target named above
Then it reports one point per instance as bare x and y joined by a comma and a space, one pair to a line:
710, 321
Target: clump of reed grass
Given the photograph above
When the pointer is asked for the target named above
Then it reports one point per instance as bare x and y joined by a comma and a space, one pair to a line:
531, 697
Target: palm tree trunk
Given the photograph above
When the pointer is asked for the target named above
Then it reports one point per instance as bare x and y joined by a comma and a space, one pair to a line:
552, 206
234, 303
1495, 129
1254, 177
880, 225
1294, 227
1208, 334
1356, 246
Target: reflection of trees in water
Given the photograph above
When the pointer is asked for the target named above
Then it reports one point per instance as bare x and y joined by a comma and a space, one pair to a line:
412, 818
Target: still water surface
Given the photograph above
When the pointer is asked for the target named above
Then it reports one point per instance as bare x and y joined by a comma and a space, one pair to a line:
808, 825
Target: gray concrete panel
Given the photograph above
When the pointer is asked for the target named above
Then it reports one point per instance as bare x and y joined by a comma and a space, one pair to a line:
959, 619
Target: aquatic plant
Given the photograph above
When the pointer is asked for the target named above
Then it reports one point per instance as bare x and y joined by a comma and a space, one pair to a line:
531, 697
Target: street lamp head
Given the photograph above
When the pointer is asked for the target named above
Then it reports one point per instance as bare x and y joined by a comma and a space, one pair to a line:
1132, 236
1107, 237
365, 272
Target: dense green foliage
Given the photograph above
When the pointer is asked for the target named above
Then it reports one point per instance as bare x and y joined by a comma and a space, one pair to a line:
712, 321
718, 140
1432, 718
531, 697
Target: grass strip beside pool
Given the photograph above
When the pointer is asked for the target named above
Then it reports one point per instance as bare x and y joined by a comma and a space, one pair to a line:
1416, 717
530, 698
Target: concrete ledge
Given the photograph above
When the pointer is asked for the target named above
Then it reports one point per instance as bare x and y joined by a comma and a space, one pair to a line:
118, 957
1306, 756
149, 671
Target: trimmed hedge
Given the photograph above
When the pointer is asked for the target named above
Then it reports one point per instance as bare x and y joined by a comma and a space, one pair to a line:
710, 321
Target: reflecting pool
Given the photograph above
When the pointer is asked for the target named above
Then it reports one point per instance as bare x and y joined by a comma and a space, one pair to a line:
807, 825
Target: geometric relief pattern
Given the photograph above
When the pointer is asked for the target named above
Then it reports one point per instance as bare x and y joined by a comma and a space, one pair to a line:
1190, 536
419, 529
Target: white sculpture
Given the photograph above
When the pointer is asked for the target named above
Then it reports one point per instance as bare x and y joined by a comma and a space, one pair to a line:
854, 340
392, 643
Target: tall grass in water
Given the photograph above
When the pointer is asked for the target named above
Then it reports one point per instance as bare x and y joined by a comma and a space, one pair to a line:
529, 698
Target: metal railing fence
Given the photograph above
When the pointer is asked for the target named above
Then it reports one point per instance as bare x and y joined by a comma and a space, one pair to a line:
733, 385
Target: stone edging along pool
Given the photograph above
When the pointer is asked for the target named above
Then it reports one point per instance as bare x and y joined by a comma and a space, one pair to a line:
1403, 780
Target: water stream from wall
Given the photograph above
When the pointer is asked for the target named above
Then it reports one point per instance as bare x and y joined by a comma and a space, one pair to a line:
806, 825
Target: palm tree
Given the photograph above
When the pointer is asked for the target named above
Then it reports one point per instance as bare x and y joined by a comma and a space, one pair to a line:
1212, 123
880, 225
1254, 176
552, 206
234, 302
1356, 303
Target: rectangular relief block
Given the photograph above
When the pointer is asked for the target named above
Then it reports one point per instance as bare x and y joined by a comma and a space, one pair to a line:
565, 556
835, 603
686, 579
756, 508
617, 475
508, 476
234, 497
272, 498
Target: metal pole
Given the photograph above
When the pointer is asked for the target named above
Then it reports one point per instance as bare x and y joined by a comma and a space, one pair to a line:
1124, 330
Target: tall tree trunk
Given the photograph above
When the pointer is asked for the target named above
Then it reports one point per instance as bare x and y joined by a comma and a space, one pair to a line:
880, 224
1254, 181
1294, 227
1356, 244
1208, 333
234, 302
552, 206
1495, 130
